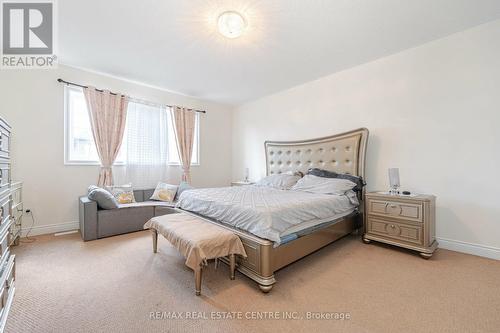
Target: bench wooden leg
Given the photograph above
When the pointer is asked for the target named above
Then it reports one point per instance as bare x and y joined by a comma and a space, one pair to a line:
232, 265
197, 280
154, 233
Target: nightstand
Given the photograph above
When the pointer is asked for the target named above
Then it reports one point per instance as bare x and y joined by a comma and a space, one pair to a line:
403, 220
241, 183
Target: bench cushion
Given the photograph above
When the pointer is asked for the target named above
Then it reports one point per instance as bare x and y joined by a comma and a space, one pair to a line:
196, 239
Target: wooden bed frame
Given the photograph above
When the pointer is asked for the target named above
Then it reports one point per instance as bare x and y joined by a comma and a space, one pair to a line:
342, 153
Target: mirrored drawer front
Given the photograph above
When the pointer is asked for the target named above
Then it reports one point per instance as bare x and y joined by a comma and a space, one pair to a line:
16, 195
4, 190
4, 211
4, 175
4, 244
4, 142
10, 272
396, 209
4, 296
17, 211
403, 232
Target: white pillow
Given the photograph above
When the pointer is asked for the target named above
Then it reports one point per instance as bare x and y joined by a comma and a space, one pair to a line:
164, 192
321, 185
281, 181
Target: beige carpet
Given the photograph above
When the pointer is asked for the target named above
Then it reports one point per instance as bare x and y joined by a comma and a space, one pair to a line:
112, 285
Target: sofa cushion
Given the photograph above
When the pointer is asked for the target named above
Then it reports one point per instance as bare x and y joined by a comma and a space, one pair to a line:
148, 194
139, 195
104, 199
149, 203
122, 220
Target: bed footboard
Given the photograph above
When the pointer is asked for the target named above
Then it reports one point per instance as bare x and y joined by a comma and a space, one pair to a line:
263, 260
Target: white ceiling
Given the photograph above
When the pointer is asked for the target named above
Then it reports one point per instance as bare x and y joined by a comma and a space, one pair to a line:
173, 44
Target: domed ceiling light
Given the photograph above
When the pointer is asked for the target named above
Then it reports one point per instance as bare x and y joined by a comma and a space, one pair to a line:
231, 24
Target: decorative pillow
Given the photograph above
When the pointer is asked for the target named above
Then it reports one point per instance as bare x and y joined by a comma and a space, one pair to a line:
104, 199
322, 185
283, 181
184, 186
296, 173
124, 194
360, 183
164, 192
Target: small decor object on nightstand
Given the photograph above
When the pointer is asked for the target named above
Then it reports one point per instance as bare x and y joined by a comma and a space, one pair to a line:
394, 181
407, 221
247, 175
241, 183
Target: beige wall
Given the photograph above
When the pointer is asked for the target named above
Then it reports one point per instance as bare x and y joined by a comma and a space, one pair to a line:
32, 102
433, 111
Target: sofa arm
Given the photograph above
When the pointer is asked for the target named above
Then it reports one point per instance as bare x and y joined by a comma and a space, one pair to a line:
88, 218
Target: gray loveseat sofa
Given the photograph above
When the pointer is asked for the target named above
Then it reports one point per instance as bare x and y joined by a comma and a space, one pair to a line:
98, 223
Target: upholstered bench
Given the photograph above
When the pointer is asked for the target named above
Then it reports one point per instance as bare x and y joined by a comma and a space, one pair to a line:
197, 240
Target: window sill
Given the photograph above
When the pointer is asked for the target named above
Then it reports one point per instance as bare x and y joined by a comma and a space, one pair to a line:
122, 164
83, 163
178, 165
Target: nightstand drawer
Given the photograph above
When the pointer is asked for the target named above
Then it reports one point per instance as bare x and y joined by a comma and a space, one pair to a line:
396, 209
399, 231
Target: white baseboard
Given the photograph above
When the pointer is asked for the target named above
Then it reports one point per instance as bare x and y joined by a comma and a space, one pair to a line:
50, 228
470, 248
444, 243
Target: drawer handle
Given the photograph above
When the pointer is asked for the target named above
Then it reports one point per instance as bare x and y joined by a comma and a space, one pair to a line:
393, 206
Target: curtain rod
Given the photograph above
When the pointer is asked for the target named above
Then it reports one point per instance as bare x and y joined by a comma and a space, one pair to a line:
112, 93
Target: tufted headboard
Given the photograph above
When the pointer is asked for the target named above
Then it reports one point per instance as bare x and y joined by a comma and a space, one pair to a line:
342, 153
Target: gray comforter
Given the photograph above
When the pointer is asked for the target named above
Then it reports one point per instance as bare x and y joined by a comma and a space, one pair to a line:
267, 212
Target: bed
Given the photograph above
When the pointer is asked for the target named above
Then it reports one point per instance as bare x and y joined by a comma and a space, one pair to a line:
281, 239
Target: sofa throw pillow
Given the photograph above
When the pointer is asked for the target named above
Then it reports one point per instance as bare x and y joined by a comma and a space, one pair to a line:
124, 194
183, 186
103, 198
164, 192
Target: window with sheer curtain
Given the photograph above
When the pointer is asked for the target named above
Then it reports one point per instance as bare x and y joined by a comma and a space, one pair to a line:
148, 147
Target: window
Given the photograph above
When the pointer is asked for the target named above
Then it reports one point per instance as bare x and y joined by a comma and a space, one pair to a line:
149, 138
80, 147
79, 141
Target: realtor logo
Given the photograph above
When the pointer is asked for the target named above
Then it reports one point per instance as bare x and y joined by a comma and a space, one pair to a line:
28, 34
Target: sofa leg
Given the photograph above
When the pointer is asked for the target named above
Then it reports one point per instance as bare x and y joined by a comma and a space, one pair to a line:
154, 233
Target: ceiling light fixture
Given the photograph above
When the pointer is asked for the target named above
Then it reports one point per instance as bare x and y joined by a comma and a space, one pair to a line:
231, 24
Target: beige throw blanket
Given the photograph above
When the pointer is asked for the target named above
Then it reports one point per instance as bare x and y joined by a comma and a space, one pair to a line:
197, 240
